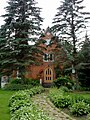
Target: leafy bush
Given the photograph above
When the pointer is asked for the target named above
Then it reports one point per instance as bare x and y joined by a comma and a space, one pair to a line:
17, 104
32, 81
25, 81
80, 108
79, 105
63, 81
29, 113
59, 99
16, 81
65, 89
22, 107
20, 95
62, 101
16, 87
79, 98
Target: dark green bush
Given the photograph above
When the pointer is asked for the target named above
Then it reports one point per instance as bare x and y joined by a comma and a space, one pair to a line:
25, 81
16, 81
84, 88
84, 74
17, 87
63, 81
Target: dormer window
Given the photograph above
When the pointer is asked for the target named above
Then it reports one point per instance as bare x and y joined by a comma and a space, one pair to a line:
48, 57
47, 42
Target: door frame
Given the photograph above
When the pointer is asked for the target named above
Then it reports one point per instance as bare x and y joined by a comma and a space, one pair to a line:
48, 75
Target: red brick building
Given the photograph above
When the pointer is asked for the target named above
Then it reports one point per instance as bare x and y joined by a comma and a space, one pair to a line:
45, 71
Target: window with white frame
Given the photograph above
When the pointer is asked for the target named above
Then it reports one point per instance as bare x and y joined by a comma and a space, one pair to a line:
48, 57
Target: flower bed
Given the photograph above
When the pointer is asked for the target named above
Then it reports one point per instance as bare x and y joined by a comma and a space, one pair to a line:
23, 108
78, 105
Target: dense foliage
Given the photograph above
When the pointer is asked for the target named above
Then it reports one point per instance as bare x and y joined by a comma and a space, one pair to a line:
68, 23
78, 105
83, 74
63, 81
21, 84
69, 20
22, 106
22, 25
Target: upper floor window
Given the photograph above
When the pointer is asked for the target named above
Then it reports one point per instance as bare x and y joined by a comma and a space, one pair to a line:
48, 57
47, 42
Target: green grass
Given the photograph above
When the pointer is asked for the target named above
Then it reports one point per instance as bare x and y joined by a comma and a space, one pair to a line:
4, 108
84, 94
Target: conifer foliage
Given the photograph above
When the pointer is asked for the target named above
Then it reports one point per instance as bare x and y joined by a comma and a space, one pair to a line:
22, 25
70, 20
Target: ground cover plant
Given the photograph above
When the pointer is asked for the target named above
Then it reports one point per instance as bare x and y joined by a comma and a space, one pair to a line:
4, 109
78, 103
23, 108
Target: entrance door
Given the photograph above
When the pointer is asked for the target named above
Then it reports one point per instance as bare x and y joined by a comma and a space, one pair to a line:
48, 75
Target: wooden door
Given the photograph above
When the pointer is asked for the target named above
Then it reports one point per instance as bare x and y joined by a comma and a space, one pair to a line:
48, 75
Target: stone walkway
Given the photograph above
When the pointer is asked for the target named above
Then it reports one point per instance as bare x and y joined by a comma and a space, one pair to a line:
44, 103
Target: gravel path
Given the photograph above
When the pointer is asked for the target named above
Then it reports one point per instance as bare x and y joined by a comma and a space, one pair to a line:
44, 103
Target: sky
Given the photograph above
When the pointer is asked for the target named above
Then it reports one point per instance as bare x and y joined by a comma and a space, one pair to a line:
48, 10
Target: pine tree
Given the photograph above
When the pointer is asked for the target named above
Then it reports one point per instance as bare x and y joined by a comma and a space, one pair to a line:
69, 21
84, 52
22, 25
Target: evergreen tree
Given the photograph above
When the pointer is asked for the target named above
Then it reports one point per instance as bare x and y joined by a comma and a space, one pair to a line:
69, 22
22, 25
84, 53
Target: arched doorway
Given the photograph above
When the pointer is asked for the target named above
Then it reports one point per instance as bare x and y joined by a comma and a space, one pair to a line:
48, 75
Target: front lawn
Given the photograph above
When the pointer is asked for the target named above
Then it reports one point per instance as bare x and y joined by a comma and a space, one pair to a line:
4, 108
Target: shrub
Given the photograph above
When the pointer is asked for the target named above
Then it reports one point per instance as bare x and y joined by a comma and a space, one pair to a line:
77, 98
29, 113
63, 81
65, 89
80, 108
25, 81
16, 81
59, 99
22, 107
16, 87
20, 95
62, 101
17, 104
31, 81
